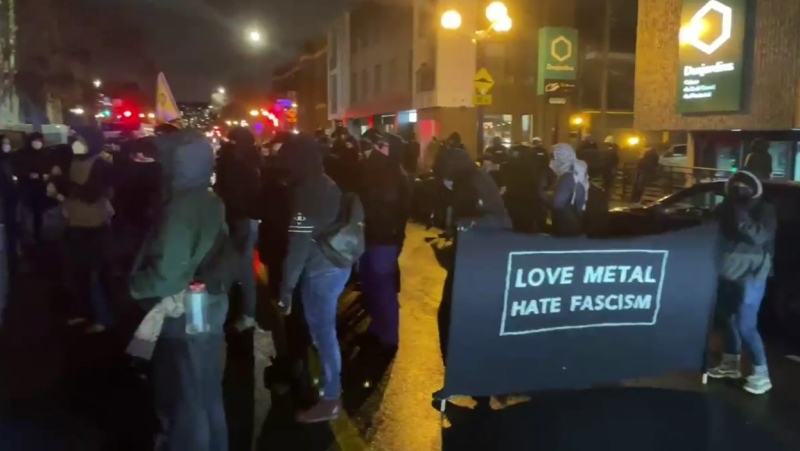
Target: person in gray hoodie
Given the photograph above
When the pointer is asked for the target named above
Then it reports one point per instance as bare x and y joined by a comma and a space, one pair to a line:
747, 226
186, 369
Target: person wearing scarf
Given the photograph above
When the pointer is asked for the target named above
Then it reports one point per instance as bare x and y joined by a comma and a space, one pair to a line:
571, 191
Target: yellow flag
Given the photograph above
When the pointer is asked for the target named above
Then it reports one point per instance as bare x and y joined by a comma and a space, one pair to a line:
166, 108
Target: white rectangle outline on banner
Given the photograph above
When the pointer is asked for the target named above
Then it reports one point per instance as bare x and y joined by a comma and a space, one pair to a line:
511, 255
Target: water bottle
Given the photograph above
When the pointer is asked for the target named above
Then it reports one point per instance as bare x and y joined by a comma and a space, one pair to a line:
195, 304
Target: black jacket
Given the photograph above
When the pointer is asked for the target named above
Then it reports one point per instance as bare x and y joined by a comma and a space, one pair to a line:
385, 195
476, 196
238, 179
314, 201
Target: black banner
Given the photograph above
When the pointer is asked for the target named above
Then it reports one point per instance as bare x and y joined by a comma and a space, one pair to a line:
537, 313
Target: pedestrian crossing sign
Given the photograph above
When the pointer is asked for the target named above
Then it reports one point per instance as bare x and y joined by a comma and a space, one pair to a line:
483, 81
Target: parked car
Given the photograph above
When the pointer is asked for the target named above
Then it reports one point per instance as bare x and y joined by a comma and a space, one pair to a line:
692, 206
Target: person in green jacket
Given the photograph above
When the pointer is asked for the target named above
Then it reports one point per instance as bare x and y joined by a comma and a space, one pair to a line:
186, 369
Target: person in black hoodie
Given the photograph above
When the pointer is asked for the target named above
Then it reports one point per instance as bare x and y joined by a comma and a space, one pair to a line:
759, 160
385, 196
85, 192
238, 183
314, 204
31, 172
342, 164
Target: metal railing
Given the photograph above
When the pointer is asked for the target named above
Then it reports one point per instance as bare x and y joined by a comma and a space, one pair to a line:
664, 181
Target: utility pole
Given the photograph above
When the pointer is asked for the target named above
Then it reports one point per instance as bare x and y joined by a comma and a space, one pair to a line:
603, 129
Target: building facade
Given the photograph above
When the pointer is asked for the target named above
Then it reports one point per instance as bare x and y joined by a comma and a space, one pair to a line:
304, 81
370, 68
727, 72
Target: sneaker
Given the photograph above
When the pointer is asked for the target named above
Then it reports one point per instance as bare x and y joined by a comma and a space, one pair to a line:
324, 410
727, 369
758, 384
245, 323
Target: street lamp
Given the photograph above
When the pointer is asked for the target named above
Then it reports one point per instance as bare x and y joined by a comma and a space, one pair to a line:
254, 113
78, 111
221, 90
97, 83
254, 36
499, 22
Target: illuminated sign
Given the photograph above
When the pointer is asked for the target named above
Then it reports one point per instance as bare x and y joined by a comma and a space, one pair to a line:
557, 55
710, 57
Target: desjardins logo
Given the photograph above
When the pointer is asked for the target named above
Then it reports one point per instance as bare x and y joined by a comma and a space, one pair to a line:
560, 51
693, 33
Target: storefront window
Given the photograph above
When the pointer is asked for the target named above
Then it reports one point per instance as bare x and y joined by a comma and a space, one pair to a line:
780, 158
497, 126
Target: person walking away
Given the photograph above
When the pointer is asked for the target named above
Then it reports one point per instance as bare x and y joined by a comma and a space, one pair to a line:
411, 155
186, 368
85, 195
589, 152
238, 183
443, 212
385, 197
31, 184
342, 165
521, 197
315, 201
571, 192
8, 196
431, 153
646, 171
609, 157
747, 225
759, 160
495, 155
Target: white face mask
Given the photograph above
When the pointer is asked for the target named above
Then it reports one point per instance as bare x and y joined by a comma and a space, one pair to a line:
36, 145
79, 148
6, 148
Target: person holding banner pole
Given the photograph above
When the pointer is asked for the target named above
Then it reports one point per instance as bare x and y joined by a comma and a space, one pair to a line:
745, 249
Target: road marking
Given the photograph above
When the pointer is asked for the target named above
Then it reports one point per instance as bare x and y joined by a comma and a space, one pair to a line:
793, 358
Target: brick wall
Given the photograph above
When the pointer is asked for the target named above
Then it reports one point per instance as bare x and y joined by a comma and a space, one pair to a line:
771, 84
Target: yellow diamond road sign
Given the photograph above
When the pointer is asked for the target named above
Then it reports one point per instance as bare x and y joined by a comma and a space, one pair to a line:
483, 81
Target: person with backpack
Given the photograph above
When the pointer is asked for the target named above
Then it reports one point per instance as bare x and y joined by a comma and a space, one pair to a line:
570, 194
238, 183
187, 259
385, 196
317, 260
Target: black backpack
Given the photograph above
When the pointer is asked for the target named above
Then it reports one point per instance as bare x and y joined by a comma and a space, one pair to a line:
221, 266
343, 243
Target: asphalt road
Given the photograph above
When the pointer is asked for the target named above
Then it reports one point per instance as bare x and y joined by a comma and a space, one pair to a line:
62, 390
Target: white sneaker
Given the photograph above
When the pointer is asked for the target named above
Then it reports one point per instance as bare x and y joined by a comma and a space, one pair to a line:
758, 384
727, 369
245, 323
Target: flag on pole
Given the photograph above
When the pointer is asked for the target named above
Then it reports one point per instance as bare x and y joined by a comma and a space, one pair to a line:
166, 108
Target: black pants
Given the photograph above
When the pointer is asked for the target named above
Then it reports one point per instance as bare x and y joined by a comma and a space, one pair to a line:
86, 278
187, 381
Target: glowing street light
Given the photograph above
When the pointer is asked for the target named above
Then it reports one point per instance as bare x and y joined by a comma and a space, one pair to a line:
97, 83
151, 115
496, 11
502, 24
221, 90
451, 20
254, 113
254, 36
78, 111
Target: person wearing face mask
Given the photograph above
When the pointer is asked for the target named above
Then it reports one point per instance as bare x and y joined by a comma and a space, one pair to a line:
8, 197
385, 196
30, 173
745, 249
570, 194
84, 191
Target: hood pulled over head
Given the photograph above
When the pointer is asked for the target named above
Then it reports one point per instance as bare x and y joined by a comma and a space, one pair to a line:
457, 163
301, 156
241, 137
88, 140
186, 159
564, 158
743, 186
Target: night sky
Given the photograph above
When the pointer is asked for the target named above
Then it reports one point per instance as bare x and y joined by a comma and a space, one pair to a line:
201, 44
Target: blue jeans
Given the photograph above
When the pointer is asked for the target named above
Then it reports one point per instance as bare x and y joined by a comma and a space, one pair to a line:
187, 386
379, 271
320, 293
742, 301
245, 236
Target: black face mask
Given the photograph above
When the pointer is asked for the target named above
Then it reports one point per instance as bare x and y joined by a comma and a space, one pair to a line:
740, 194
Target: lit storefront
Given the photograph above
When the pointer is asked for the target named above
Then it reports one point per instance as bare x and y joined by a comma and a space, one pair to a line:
726, 73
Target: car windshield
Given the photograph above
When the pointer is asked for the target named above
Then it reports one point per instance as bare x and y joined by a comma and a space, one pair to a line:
703, 195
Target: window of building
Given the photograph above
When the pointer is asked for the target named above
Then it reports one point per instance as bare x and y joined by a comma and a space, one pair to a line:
353, 88
333, 94
392, 75
364, 84
377, 85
